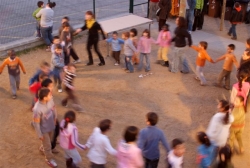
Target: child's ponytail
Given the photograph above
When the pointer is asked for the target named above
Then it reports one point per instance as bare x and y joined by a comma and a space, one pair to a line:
226, 118
225, 106
69, 117
203, 139
242, 75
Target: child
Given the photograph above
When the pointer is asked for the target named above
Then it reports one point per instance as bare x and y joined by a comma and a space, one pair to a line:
201, 60
175, 156
70, 71
58, 64
99, 145
44, 123
133, 37
129, 51
40, 5
69, 140
47, 83
65, 39
116, 47
206, 151
230, 59
236, 18
218, 128
56, 41
225, 155
238, 125
144, 47
35, 87
149, 139
128, 153
14, 64
164, 40
241, 88
44, 69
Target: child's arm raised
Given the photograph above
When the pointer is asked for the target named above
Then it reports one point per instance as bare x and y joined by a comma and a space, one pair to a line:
121, 41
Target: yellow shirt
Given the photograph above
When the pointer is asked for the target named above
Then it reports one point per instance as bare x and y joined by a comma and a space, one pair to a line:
90, 23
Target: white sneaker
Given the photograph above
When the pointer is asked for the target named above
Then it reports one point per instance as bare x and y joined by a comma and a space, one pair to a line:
116, 64
51, 163
76, 61
60, 90
190, 32
141, 76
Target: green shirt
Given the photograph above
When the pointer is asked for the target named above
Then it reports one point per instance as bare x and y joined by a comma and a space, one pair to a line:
35, 12
199, 4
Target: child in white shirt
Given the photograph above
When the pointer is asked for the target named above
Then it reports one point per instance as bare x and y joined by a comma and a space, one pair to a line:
175, 156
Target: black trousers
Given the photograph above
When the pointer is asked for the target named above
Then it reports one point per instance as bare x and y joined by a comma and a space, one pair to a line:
162, 22
151, 163
73, 54
116, 56
198, 21
66, 58
56, 133
94, 42
70, 96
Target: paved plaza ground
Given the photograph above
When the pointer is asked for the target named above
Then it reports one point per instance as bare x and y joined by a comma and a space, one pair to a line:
184, 107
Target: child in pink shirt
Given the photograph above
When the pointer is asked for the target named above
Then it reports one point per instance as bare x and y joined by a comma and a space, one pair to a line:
164, 40
128, 153
69, 140
144, 47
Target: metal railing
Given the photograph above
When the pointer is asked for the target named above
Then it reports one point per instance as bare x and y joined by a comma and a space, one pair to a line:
132, 5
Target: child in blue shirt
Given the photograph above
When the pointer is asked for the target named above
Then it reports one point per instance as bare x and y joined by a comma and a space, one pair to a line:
206, 151
116, 47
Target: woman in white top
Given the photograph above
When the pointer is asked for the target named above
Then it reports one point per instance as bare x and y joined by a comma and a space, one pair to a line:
47, 15
218, 128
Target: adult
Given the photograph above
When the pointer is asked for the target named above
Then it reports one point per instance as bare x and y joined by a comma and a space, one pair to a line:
47, 15
190, 6
181, 34
165, 7
93, 36
153, 7
198, 14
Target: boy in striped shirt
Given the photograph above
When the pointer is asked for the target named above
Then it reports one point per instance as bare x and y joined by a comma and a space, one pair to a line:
70, 74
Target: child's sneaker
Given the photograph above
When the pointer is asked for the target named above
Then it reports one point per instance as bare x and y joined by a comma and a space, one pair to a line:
76, 61
60, 90
51, 163
13, 96
116, 64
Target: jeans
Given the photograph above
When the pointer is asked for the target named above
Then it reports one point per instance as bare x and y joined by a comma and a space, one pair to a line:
94, 42
142, 55
14, 83
232, 30
55, 135
179, 61
57, 77
151, 163
74, 154
128, 61
47, 35
190, 19
224, 74
47, 137
38, 29
200, 75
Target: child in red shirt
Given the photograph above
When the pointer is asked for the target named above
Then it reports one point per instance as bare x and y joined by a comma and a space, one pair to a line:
35, 87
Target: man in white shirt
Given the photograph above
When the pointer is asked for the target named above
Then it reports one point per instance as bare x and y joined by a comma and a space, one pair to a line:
99, 145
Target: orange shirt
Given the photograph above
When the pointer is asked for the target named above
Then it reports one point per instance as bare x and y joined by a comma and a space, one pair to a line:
229, 60
202, 56
13, 66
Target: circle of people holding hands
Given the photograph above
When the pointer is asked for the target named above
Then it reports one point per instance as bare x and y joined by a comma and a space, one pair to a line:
139, 148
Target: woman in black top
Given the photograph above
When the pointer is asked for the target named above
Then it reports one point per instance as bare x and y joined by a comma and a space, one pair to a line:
93, 37
181, 34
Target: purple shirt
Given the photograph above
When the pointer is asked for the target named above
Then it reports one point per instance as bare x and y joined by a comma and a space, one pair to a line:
144, 45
